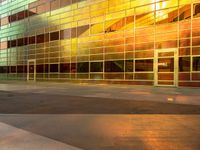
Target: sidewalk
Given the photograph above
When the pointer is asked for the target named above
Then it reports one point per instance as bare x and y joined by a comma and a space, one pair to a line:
99, 132
69, 116
12, 138
129, 92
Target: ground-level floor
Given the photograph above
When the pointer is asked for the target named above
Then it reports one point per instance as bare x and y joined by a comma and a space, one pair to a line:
165, 69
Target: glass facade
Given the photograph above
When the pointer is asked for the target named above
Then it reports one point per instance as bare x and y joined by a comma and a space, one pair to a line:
146, 42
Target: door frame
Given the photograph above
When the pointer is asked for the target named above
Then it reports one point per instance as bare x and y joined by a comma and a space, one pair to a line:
28, 73
157, 51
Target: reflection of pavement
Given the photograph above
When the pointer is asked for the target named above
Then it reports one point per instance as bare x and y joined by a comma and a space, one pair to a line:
100, 132
66, 116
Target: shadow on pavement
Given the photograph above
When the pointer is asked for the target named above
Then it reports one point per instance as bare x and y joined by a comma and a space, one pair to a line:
37, 103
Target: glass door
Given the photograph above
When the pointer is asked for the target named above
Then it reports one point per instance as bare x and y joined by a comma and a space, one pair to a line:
166, 67
31, 70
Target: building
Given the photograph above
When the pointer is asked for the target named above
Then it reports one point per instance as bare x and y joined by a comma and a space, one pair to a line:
145, 42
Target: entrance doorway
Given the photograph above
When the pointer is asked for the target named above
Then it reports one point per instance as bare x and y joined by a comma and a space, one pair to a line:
31, 70
166, 67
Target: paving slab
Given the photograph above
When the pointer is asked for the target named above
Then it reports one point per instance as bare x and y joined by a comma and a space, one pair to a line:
49, 103
67, 116
183, 95
12, 138
105, 132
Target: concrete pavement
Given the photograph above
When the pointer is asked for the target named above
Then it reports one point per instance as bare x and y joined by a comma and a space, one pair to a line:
128, 92
103, 132
12, 138
67, 116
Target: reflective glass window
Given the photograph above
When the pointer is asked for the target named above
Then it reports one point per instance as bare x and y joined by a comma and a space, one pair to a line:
40, 38
196, 12
96, 67
129, 65
83, 67
114, 66
32, 40
73, 68
184, 64
144, 65
184, 12
53, 67
13, 69
21, 15
40, 68
65, 34
54, 36
196, 63
65, 2
55, 4
46, 69
64, 68
3, 69
13, 43
46, 37
20, 69
20, 42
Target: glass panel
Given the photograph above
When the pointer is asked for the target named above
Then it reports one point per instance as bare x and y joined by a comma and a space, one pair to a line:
20, 69
129, 76
144, 54
3, 69
46, 37
195, 76
184, 76
184, 51
114, 76
185, 12
65, 34
114, 66
64, 2
162, 54
40, 38
32, 40
13, 69
165, 76
53, 67
129, 65
184, 64
40, 68
96, 76
64, 68
144, 65
4, 21
196, 63
73, 68
96, 67
54, 36
166, 65
146, 19
46, 68
167, 16
145, 15
55, 4
144, 76
113, 25
196, 13
83, 67
83, 76
165, 82
31, 68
